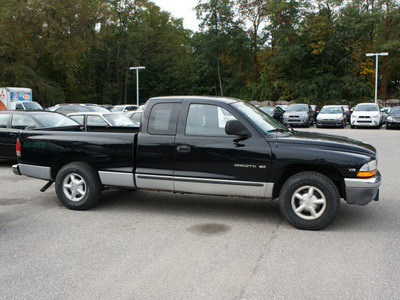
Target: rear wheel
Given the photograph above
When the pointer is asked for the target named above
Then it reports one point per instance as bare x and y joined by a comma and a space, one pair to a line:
78, 186
309, 200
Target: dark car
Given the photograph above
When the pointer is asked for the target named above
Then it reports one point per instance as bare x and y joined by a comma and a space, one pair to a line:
393, 118
299, 115
346, 109
11, 122
275, 112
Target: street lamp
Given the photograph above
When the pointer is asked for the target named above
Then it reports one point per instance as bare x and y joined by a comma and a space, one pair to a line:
137, 81
376, 71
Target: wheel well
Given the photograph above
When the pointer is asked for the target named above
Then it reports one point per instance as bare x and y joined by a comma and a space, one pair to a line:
64, 158
291, 170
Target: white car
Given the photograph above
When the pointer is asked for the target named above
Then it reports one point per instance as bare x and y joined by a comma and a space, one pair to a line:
366, 115
331, 115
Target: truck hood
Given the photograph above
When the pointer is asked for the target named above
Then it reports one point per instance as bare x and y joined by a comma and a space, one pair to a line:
327, 141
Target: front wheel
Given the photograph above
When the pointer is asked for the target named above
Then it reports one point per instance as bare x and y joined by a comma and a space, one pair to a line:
78, 186
309, 200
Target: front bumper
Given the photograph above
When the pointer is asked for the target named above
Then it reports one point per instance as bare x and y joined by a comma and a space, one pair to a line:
299, 121
330, 123
361, 191
364, 121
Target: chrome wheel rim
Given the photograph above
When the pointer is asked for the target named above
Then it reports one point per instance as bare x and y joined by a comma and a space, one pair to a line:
308, 202
74, 187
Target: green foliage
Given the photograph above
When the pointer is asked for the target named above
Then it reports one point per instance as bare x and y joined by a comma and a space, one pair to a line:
295, 50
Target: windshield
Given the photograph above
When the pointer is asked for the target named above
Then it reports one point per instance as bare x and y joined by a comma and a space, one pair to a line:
268, 110
32, 106
118, 120
395, 110
53, 120
297, 107
366, 107
331, 110
258, 117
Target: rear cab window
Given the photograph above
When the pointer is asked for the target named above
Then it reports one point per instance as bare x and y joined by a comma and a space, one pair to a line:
163, 119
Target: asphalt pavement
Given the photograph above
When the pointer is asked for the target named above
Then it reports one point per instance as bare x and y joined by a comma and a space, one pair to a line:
154, 245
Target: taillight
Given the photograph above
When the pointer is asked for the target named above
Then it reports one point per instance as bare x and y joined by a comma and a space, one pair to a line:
18, 148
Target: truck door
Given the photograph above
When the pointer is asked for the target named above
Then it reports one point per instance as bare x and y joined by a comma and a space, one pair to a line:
155, 149
209, 161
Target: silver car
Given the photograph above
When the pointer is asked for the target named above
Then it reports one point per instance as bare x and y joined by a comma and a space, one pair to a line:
332, 115
298, 115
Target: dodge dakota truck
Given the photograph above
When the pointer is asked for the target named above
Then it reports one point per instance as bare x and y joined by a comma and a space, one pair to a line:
207, 145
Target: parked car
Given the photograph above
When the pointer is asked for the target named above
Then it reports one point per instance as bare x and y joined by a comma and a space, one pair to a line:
135, 116
101, 119
275, 112
66, 109
347, 111
12, 121
298, 114
393, 118
366, 115
331, 115
124, 108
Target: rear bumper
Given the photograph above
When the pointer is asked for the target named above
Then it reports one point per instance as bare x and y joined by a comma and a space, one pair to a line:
32, 171
361, 191
15, 169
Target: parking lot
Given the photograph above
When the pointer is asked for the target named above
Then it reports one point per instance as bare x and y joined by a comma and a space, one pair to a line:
154, 245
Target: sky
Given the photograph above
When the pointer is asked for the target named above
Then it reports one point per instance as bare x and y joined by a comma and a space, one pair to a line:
181, 9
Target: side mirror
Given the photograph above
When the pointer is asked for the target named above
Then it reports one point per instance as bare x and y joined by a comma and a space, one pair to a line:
235, 127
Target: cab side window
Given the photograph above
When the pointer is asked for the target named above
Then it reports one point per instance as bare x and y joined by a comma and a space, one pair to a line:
163, 118
78, 118
204, 119
21, 122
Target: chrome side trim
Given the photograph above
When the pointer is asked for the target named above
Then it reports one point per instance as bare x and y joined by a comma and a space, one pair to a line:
154, 182
222, 187
117, 179
35, 171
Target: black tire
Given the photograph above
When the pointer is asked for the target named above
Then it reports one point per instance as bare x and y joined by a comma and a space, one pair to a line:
78, 186
352, 126
319, 210
307, 125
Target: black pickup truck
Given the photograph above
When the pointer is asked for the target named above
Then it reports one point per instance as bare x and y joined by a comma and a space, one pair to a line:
207, 145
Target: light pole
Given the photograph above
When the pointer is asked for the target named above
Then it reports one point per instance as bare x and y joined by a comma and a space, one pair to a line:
376, 71
137, 81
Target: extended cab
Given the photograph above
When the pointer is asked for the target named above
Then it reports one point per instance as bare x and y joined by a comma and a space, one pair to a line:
207, 145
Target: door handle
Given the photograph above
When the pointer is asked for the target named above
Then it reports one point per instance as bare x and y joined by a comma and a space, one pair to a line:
183, 148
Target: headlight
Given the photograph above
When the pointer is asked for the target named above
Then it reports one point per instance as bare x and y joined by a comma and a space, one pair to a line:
390, 119
368, 169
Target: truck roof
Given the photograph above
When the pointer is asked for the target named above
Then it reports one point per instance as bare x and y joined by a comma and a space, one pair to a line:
222, 99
